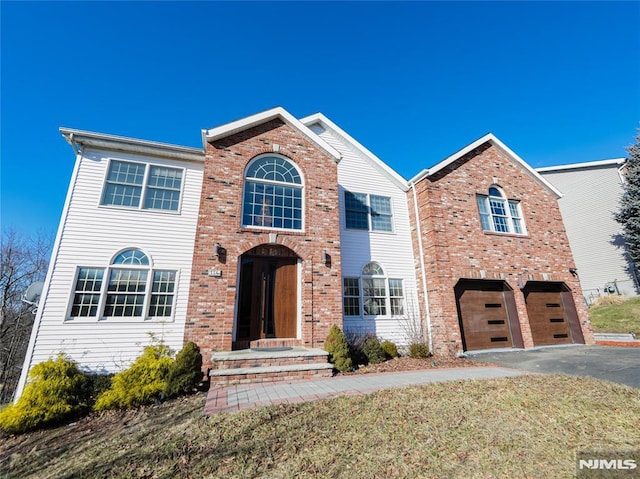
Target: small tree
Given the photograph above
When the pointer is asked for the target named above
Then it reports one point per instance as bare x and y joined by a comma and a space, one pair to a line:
629, 213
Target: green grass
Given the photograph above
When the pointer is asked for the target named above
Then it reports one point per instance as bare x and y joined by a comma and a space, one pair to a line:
616, 318
528, 426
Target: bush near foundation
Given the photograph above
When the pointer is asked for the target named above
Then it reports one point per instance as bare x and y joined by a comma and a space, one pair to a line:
336, 346
390, 349
419, 350
56, 391
143, 383
186, 372
373, 350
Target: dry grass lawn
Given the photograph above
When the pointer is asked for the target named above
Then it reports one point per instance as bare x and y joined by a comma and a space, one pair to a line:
529, 426
616, 318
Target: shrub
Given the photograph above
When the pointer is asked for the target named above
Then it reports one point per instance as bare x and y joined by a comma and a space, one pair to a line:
419, 350
355, 343
186, 372
95, 385
336, 346
55, 392
143, 383
390, 349
373, 350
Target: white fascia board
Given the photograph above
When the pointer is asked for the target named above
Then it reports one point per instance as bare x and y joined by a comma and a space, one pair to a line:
377, 162
489, 137
228, 129
131, 145
578, 166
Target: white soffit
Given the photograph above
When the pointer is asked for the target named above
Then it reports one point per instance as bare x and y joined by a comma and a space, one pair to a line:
228, 129
586, 164
131, 145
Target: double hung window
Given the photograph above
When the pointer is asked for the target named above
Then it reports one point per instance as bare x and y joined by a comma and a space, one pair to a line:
498, 214
140, 185
368, 212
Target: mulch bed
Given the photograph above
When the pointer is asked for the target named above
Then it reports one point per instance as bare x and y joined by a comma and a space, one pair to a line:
406, 363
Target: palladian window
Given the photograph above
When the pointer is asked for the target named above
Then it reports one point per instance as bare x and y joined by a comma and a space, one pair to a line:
373, 293
127, 288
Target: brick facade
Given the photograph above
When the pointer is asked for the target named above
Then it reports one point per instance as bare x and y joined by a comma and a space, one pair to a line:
212, 302
455, 246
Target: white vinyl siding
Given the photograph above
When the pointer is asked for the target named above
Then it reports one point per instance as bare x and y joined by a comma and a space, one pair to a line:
392, 250
591, 196
168, 239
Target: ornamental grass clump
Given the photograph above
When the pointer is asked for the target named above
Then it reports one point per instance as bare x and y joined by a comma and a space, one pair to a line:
56, 391
143, 383
336, 346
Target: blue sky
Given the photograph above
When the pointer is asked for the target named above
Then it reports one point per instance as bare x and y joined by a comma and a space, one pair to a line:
414, 82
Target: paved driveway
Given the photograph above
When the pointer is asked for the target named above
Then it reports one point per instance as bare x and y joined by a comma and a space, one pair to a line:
620, 365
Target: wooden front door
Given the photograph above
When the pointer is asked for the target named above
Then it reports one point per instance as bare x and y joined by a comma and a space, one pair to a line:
268, 299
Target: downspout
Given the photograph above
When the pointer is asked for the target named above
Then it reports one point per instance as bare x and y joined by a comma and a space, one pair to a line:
422, 268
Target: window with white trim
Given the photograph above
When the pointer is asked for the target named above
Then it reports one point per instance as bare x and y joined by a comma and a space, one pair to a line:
364, 211
499, 214
272, 194
141, 185
132, 290
373, 293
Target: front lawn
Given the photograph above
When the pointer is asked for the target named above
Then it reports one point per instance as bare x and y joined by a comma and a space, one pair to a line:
528, 426
616, 318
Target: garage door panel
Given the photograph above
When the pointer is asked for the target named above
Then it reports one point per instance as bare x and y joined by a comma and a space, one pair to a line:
485, 321
548, 319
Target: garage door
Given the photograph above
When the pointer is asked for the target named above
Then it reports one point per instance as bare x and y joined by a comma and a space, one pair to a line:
552, 314
486, 312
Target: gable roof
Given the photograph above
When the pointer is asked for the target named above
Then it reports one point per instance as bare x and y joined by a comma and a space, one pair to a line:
380, 165
490, 138
130, 145
242, 124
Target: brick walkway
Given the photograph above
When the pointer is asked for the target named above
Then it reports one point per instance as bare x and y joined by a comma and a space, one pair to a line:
246, 396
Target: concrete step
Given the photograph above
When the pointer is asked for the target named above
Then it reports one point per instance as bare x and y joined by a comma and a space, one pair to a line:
614, 337
266, 365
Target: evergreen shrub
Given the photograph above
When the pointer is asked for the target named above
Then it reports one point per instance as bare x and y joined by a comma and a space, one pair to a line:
143, 383
373, 350
336, 346
55, 391
390, 349
419, 351
186, 372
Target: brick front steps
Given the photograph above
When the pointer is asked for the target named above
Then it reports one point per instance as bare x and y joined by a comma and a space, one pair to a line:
249, 366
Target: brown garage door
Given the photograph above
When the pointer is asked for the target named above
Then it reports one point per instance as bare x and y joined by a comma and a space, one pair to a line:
552, 314
486, 311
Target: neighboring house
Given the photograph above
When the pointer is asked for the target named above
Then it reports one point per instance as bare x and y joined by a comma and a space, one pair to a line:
591, 197
279, 228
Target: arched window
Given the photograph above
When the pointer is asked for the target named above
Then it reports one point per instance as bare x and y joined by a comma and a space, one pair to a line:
378, 295
132, 288
272, 194
499, 214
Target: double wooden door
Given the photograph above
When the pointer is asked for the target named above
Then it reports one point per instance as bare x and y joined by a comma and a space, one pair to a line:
268, 298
